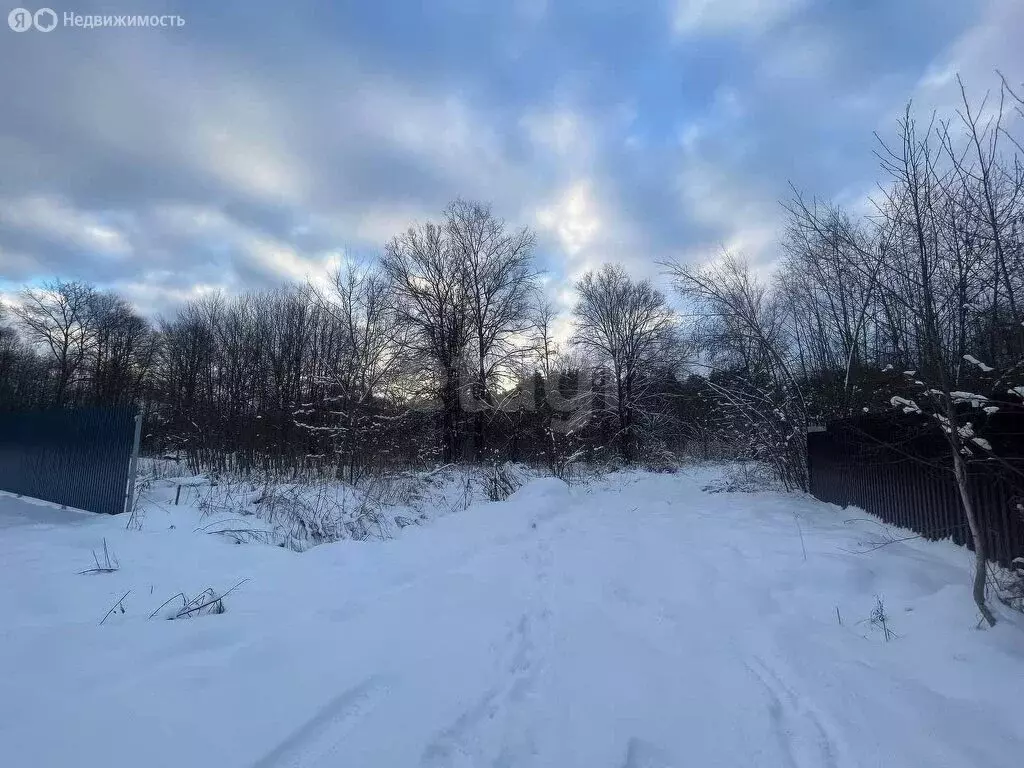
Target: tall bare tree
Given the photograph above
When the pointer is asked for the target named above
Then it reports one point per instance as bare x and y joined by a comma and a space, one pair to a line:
122, 352
431, 285
935, 278
628, 326
369, 346
500, 281
58, 318
542, 318
741, 329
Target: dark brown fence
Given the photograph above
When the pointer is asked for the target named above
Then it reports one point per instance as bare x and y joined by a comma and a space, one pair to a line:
77, 457
902, 472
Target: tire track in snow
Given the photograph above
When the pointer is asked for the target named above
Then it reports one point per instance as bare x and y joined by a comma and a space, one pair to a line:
804, 740
320, 740
462, 742
503, 707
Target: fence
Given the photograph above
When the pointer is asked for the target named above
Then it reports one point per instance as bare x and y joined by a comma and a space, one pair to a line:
82, 458
902, 473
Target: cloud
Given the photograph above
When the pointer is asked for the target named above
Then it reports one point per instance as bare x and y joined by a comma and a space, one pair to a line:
574, 220
560, 132
739, 217
52, 218
251, 147
695, 17
273, 258
992, 43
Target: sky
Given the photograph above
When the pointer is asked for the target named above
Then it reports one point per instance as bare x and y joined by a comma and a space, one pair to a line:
260, 143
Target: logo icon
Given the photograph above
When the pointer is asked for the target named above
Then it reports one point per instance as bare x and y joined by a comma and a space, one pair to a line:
20, 20
45, 19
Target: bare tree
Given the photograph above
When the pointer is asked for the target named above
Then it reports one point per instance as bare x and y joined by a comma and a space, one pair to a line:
935, 207
628, 326
122, 351
369, 353
431, 287
935, 279
543, 316
22, 376
740, 326
58, 318
500, 280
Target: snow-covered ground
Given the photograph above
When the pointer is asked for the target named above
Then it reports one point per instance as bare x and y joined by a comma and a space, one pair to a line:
636, 621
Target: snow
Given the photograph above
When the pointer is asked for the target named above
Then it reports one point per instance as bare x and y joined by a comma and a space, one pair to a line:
985, 368
909, 406
971, 397
633, 621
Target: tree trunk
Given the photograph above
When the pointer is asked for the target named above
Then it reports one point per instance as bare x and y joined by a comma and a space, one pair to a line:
450, 417
479, 425
980, 560
625, 449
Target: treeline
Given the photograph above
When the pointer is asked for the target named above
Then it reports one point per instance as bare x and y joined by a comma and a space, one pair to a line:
443, 349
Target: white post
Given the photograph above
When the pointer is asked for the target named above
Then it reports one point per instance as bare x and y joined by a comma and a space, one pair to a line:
129, 502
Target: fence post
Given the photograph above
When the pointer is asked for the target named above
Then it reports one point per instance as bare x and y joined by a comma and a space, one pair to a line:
129, 502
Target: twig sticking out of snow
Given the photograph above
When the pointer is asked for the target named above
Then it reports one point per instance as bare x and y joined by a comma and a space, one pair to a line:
200, 602
207, 601
115, 606
879, 618
245, 535
109, 564
888, 538
165, 602
503, 482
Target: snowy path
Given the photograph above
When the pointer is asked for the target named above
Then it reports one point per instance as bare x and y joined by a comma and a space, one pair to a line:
640, 623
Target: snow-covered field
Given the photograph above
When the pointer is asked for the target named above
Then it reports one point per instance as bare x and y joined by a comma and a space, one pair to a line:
635, 621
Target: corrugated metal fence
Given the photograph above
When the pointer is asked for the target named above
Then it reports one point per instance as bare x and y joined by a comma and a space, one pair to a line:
82, 458
904, 476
